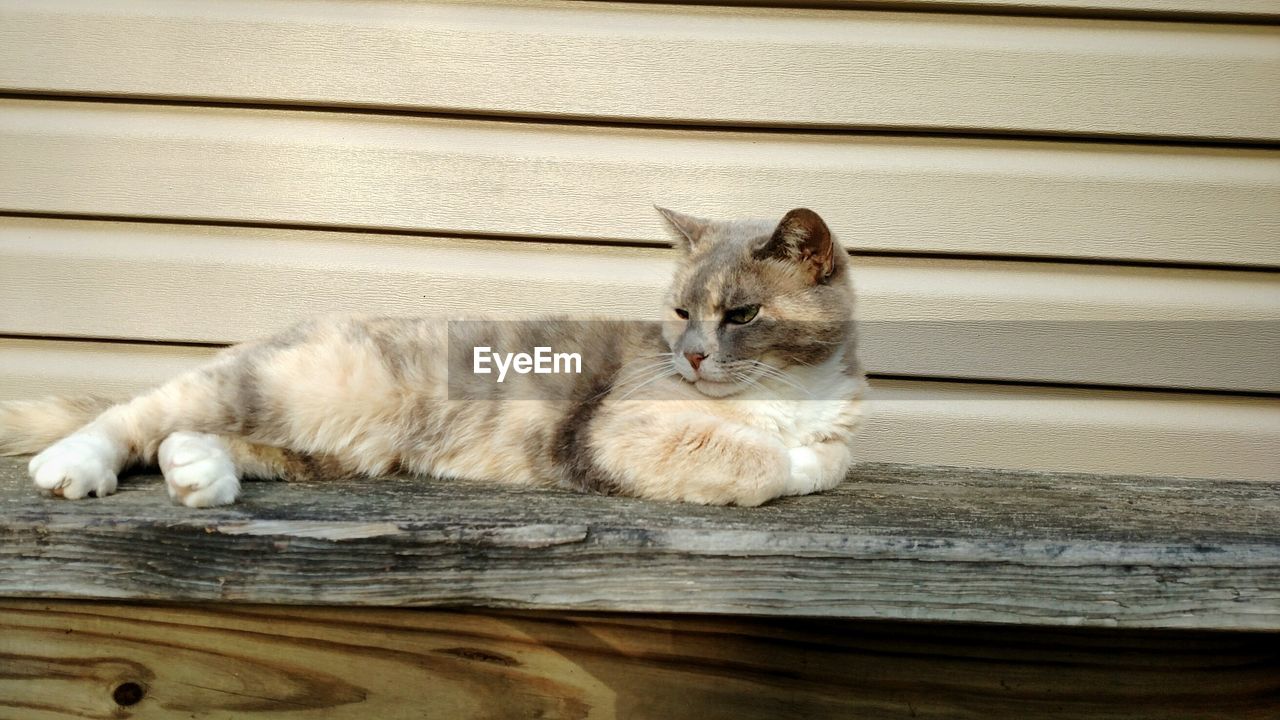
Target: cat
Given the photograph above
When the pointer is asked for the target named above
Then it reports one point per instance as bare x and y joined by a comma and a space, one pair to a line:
747, 389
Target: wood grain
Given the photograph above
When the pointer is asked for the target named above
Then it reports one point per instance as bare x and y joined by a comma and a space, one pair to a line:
893, 542
662, 63
1221, 10
64, 659
921, 317
923, 422
899, 194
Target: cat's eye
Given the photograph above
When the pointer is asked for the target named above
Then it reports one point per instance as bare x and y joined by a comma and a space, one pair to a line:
682, 313
742, 315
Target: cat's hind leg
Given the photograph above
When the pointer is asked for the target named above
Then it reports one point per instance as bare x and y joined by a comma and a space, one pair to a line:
205, 470
88, 461
200, 469
315, 388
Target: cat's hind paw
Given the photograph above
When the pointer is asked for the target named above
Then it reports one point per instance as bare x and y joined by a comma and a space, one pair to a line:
198, 470
75, 467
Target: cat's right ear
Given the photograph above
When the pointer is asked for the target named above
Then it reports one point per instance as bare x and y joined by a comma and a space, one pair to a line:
690, 229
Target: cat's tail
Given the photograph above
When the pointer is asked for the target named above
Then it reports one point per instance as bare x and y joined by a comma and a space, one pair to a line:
29, 426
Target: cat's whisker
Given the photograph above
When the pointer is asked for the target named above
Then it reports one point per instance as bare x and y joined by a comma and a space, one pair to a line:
766, 367
648, 360
789, 383
623, 379
651, 380
649, 357
771, 372
773, 375
793, 386
641, 372
743, 378
627, 376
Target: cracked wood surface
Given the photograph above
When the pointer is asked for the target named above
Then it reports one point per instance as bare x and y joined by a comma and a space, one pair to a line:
921, 543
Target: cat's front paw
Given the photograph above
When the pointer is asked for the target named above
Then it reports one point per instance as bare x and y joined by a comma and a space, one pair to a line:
198, 470
75, 467
806, 471
817, 467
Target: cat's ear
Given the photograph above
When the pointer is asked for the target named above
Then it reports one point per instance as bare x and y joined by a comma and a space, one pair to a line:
802, 237
690, 229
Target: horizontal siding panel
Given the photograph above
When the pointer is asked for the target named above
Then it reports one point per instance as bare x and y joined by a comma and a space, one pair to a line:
36, 368
1073, 430
662, 63
1194, 205
1143, 433
970, 319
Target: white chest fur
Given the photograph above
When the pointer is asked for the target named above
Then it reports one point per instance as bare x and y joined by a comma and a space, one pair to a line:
821, 404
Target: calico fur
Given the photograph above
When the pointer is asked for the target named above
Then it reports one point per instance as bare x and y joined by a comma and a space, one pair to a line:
695, 407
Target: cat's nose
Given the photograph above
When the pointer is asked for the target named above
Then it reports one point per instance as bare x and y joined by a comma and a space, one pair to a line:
695, 359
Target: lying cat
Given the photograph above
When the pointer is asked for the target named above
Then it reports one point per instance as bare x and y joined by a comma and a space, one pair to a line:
748, 390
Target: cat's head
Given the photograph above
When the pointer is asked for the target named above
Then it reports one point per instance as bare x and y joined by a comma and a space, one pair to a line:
755, 298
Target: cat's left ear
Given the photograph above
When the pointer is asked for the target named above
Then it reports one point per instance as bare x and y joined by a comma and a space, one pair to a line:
689, 228
802, 237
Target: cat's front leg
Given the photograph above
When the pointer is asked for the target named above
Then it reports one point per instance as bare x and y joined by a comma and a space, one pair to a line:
694, 458
818, 466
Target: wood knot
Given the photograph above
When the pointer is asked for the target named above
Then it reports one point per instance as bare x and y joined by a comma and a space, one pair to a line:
128, 693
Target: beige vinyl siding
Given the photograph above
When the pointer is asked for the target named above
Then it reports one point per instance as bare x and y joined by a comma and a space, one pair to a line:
909, 421
35, 368
1103, 297
1101, 431
1051, 322
662, 63
888, 194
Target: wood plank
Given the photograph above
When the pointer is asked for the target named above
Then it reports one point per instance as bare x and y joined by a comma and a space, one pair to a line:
920, 422
1174, 204
921, 317
662, 63
1202, 10
894, 542
262, 662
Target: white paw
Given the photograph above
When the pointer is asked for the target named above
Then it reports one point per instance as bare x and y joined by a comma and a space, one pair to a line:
76, 466
198, 470
806, 471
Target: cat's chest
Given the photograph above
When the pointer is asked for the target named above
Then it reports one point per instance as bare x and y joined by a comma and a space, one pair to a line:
800, 422
820, 404
817, 405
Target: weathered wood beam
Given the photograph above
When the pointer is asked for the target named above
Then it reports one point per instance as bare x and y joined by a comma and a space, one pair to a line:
892, 542
65, 659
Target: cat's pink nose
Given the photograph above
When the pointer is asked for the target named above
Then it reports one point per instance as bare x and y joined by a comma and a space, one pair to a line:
695, 359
